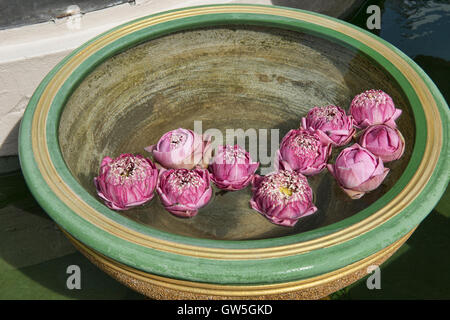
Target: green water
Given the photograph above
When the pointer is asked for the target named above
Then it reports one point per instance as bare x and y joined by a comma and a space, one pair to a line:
34, 255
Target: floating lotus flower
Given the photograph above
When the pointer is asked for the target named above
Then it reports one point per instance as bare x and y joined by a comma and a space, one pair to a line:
183, 192
331, 122
126, 181
303, 150
182, 148
283, 197
358, 171
384, 142
232, 168
374, 107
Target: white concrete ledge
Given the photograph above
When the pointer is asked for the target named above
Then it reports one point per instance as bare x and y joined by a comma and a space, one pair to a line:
28, 53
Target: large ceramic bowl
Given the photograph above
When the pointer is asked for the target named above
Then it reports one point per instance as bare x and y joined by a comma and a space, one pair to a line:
229, 66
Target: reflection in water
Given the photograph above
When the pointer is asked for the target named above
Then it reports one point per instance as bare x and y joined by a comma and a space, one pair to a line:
418, 27
420, 30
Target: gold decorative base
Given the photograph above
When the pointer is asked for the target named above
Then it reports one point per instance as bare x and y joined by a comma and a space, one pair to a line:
157, 287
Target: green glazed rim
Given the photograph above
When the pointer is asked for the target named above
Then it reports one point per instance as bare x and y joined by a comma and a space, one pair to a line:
276, 260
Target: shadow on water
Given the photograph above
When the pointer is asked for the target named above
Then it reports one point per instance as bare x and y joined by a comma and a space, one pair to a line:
31, 245
438, 70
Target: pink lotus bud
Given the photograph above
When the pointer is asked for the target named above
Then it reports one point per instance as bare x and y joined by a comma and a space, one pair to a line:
358, 171
182, 148
232, 168
331, 122
374, 107
126, 181
304, 151
283, 197
383, 141
183, 192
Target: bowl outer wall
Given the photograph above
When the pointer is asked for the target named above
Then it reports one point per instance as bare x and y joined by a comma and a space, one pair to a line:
231, 271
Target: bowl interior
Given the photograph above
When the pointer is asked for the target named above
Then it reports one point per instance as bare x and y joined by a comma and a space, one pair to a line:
258, 79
